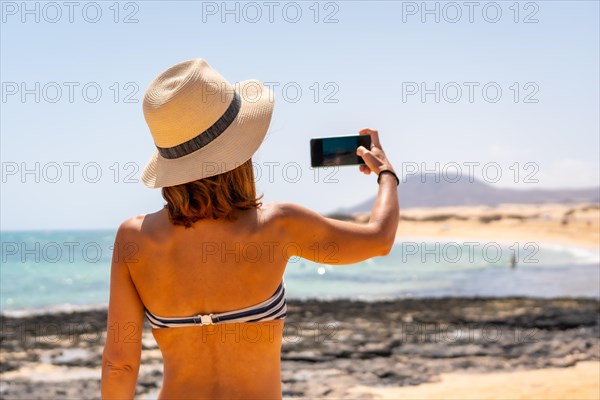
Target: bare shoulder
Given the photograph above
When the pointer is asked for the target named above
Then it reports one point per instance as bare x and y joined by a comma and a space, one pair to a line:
131, 228
144, 225
133, 224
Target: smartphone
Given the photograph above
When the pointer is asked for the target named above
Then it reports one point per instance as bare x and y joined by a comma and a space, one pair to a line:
337, 150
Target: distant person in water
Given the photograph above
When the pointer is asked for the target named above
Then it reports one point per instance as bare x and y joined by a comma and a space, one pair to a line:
513, 260
207, 269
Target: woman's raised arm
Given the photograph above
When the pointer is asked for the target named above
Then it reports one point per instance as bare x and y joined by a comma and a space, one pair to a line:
329, 241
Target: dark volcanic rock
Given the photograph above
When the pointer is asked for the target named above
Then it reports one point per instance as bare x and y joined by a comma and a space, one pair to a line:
336, 344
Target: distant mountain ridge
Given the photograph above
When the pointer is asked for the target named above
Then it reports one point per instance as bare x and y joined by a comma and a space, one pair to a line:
415, 193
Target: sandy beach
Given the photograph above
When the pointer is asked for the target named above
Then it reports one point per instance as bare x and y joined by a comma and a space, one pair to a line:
577, 382
431, 348
574, 224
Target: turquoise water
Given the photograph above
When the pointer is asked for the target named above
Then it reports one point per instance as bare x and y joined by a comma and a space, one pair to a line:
70, 269
53, 269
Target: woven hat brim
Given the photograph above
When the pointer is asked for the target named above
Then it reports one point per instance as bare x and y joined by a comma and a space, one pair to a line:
236, 145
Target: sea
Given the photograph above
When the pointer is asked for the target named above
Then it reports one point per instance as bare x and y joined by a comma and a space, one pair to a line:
47, 271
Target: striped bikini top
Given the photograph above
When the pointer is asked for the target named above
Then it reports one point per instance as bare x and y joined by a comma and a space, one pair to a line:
275, 307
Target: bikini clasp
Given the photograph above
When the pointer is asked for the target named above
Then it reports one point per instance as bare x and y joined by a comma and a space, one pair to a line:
205, 319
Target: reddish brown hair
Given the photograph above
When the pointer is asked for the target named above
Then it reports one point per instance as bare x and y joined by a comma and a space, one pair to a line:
213, 197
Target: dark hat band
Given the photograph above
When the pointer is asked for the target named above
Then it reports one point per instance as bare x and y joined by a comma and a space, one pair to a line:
204, 138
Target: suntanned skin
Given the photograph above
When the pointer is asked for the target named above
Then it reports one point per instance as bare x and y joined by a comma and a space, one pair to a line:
218, 266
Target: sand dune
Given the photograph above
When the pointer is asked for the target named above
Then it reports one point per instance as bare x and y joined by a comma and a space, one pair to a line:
575, 224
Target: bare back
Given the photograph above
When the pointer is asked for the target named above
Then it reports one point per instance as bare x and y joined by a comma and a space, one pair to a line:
214, 266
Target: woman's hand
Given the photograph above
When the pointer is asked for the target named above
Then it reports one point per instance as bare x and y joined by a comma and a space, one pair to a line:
374, 157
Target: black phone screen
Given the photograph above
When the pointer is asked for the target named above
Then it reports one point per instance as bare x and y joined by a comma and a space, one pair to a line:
337, 150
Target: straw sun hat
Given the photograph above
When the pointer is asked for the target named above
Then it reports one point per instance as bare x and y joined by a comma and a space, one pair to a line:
201, 124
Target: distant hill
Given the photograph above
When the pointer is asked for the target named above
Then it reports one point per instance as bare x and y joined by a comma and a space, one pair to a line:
415, 193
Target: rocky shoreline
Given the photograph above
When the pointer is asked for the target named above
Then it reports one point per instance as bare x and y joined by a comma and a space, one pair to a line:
328, 347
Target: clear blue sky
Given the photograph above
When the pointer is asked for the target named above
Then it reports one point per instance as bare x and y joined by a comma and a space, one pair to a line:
367, 58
